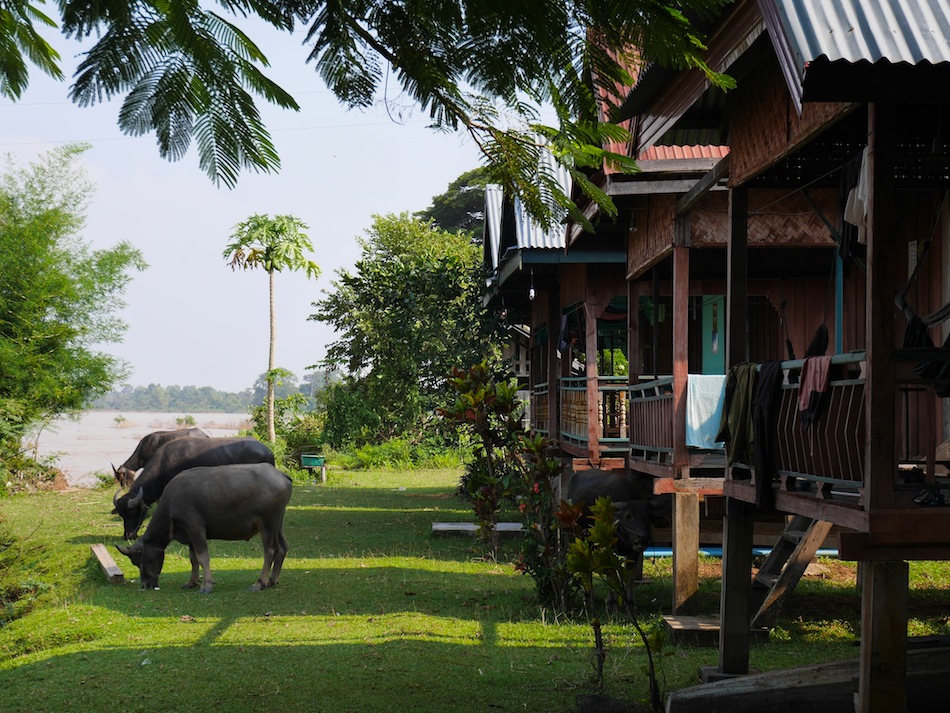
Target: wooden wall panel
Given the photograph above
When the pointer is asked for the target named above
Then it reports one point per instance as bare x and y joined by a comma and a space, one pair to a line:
765, 126
653, 238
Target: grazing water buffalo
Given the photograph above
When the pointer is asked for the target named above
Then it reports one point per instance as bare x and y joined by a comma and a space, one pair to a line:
224, 502
146, 448
170, 460
635, 514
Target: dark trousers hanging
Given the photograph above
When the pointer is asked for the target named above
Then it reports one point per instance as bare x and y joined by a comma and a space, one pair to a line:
765, 410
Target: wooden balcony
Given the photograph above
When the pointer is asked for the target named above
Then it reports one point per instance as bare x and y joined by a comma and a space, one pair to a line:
651, 421
539, 409
652, 443
825, 462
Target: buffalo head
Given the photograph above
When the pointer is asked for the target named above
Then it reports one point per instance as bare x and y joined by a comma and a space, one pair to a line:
634, 528
149, 560
131, 508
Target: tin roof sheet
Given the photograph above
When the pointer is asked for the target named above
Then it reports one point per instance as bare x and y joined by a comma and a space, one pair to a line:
911, 31
810, 34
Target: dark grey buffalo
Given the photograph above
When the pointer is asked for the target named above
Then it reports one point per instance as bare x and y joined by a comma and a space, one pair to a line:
146, 448
175, 457
225, 502
635, 512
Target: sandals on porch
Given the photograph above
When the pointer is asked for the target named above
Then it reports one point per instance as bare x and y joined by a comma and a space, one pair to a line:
929, 497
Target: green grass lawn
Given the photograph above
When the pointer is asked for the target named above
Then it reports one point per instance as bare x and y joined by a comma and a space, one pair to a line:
373, 613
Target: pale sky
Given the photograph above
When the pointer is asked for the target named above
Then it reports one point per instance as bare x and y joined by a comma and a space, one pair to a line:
192, 321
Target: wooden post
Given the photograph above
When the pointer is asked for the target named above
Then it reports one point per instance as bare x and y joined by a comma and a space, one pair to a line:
554, 363
734, 635
883, 282
680, 357
737, 267
883, 661
593, 381
685, 505
738, 522
685, 550
882, 682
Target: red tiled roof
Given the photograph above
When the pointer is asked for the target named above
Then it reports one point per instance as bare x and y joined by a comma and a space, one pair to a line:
660, 153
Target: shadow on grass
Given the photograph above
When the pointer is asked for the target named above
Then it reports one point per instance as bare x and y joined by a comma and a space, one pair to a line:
353, 675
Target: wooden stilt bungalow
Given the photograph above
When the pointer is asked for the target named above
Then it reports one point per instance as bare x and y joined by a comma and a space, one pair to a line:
837, 172
806, 265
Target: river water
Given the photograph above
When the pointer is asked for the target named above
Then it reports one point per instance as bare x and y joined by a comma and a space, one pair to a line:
90, 444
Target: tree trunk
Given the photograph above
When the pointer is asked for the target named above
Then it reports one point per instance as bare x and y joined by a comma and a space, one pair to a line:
271, 433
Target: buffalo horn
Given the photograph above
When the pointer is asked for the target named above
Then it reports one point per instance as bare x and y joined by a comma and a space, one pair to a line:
124, 550
115, 498
136, 500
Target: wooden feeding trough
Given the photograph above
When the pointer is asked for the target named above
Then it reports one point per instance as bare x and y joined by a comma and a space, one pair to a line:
312, 462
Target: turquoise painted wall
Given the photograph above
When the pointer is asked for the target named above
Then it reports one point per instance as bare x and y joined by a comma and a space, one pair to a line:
714, 335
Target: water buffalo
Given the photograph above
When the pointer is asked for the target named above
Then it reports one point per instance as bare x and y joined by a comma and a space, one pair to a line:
170, 460
635, 512
224, 502
146, 448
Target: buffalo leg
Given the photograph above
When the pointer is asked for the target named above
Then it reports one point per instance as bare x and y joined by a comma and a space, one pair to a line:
275, 549
193, 580
282, 548
200, 556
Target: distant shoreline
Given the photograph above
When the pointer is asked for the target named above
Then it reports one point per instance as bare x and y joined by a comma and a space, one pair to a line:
87, 446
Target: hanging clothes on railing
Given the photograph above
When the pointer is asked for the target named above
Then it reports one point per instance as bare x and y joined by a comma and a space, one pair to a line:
765, 411
813, 389
735, 428
704, 401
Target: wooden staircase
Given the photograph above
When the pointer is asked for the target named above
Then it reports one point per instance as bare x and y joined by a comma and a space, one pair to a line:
785, 566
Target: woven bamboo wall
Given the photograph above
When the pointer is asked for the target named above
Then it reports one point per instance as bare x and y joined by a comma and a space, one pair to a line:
765, 125
653, 237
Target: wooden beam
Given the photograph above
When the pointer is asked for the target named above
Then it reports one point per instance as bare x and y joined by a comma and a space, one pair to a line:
109, 568
657, 470
858, 546
700, 486
678, 165
825, 687
704, 184
650, 188
841, 512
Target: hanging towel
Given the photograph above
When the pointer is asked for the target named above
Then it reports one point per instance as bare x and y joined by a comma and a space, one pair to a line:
704, 397
813, 387
856, 208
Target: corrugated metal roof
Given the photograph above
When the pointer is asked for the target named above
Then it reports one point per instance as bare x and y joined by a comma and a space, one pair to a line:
911, 31
856, 33
494, 200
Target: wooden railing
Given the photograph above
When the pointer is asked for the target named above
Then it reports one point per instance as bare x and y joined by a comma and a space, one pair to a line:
611, 412
539, 409
651, 419
830, 452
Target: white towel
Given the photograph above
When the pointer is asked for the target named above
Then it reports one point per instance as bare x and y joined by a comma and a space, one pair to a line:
704, 396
